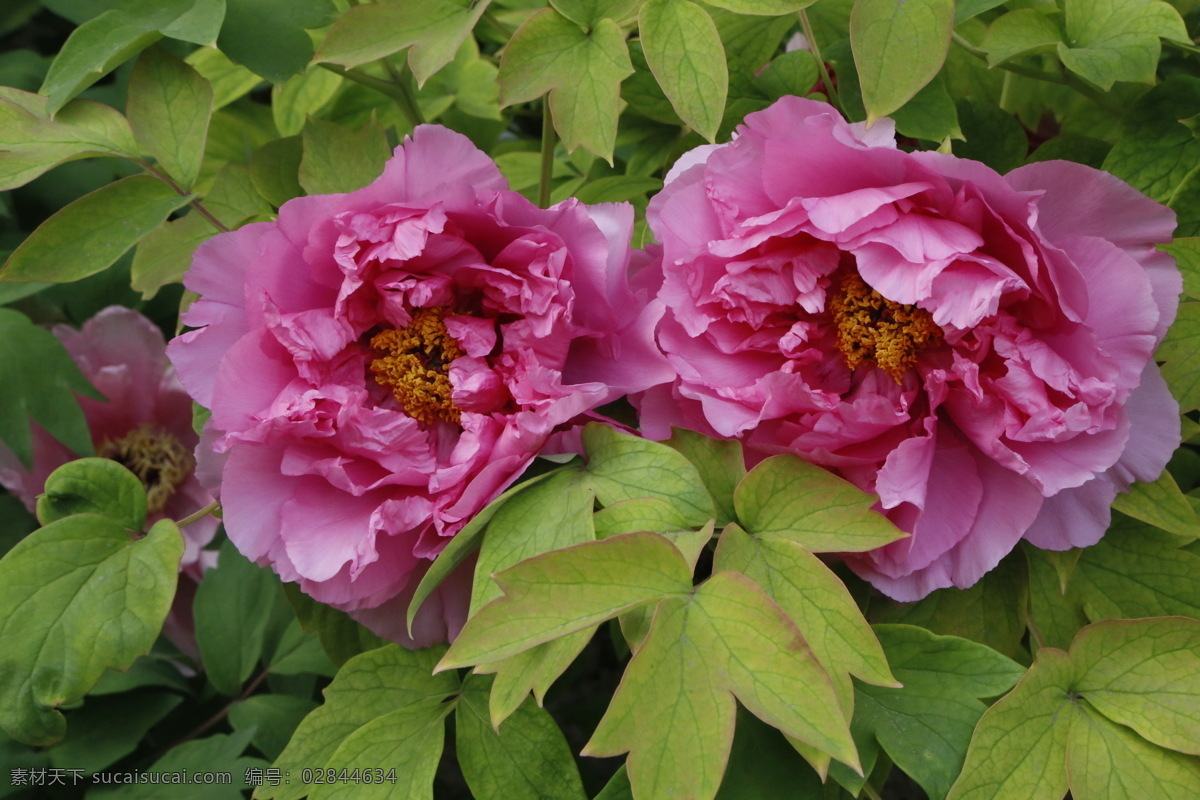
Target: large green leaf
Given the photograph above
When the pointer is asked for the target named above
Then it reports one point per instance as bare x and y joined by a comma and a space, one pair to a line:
684, 51
567, 590
898, 48
1182, 370
40, 377
527, 756
625, 467
1021, 32
1137, 571
433, 29
581, 71
674, 711
31, 142
1111, 762
1162, 505
91, 233
76, 597
531, 671
1118, 40
169, 106
816, 601
788, 498
269, 36
337, 159
926, 725
232, 608
94, 49
341, 637
359, 707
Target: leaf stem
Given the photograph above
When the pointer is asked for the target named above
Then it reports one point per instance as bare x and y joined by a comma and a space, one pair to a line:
199, 515
194, 203
495, 22
548, 142
397, 91
870, 792
830, 90
215, 718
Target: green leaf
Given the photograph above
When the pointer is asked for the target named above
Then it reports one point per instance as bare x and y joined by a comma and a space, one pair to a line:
1017, 33
816, 601
337, 159
199, 24
554, 514
1110, 762
299, 652
301, 95
785, 497
674, 710
1072, 147
31, 143
1181, 371
534, 670
527, 756
409, 740
1186, 252
275, 169
109, 728
1158, 160
992, 135
146, 671
639, 514
231, 612
215, 754
766, 8
581, 71
169, 107
94, 486
898, 49
91, 233
274, 717
931, 114
463, 544
1137, 571
794, 72
229, 81
1161, 504
969, 9
991, 612
624, 467
367, 689
341, 636
433, 29
269, 36
926, 726
1144, 674
568, 590
1019, 748
164, 255
1118, 40
761, 761
685, 53
719, 462
588, 12
617, 189
40, 378
77, 596
93, 50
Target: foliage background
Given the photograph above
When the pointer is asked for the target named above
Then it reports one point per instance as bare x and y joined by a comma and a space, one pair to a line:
133, 130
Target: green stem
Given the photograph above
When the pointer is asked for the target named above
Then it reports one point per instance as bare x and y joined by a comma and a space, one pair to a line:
215, 718
870, 792
397, 91
495, 22
194, 203
199, 515
402, 78
830, 90
548, 142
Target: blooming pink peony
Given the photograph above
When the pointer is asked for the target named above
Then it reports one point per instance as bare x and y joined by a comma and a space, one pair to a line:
145, 423
976, 349
381, 364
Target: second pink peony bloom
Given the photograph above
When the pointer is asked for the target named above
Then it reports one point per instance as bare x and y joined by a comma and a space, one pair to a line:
382, 364
975, 349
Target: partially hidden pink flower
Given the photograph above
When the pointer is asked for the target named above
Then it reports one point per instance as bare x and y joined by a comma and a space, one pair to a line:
144, 423
382, 364
976, 349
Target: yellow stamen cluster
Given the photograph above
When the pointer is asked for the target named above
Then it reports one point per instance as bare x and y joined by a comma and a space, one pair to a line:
414, 366
159, 460
873, 328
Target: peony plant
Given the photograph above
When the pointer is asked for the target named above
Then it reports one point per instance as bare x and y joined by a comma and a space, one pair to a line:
739, 398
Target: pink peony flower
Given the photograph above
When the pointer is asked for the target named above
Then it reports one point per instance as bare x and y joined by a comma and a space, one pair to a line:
145, 423
976, 349
382, 364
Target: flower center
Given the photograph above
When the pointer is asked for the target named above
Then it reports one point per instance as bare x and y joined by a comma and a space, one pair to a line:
159, 460
873, 328
414, 365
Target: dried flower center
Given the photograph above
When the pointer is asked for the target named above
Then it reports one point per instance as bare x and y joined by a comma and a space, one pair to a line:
414, 365
873, 328
159, 460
